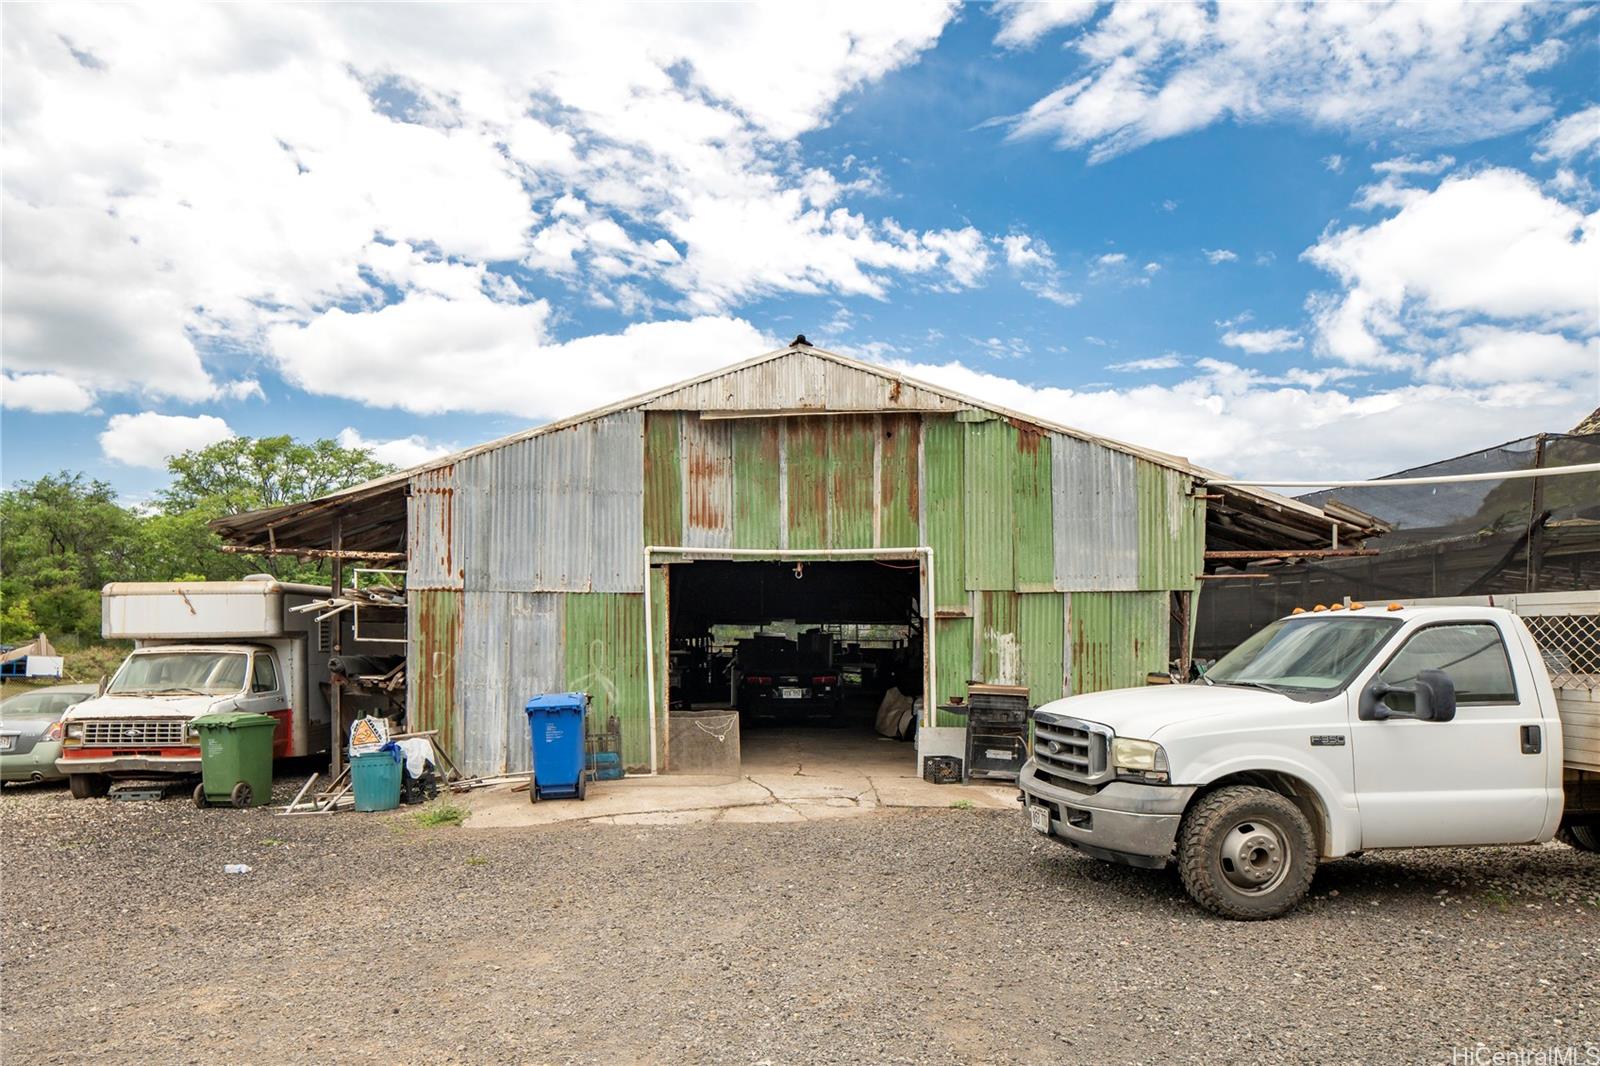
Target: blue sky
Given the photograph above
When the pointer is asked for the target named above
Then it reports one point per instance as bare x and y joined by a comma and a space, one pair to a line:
1281, 240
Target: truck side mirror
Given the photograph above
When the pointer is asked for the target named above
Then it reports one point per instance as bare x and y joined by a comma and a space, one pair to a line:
1433, 699
1436, 696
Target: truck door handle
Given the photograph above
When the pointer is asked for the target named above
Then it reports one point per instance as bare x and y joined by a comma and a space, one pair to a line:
1532, 740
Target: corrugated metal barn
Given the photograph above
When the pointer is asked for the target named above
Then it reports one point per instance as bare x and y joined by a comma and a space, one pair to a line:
1031, 554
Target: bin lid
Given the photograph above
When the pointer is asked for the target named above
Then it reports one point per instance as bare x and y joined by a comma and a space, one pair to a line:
233, 720
558, 701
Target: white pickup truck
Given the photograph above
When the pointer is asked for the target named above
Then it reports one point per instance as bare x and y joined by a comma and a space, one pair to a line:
1328, 733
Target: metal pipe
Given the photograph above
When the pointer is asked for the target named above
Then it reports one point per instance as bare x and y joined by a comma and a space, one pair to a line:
1436, 479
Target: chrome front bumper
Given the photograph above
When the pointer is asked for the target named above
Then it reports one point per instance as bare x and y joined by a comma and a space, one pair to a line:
131, 764
1123, 821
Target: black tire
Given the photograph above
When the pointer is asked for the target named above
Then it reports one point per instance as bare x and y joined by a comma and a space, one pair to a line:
1246, 853
200, 797
88, 786
240, 797
1581, 837
583, 784
533, 791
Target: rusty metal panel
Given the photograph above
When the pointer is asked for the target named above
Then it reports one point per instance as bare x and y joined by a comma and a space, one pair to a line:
1041, 631
605, 657
663, 480
433, 539
990, 461
805, 444
799, 381
952, 671
707, 457
1117, 638
852, 446
757, 517
660, 609
433, 618
1033, 497
1096, 517
944, 471
1172, 529
999, 647
617, 490
900, 483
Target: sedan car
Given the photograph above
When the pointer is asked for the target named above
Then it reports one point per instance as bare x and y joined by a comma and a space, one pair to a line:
30, 731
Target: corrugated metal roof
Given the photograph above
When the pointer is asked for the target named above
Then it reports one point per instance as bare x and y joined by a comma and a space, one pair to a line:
1096, 517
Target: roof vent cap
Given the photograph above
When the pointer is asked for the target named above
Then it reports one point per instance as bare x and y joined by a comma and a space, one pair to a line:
799, 341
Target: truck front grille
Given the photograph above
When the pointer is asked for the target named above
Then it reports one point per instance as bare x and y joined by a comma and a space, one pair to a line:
1070, 749
134, 732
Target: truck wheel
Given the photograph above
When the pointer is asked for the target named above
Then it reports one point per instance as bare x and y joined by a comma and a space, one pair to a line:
1246, 853
1582, 837
88, 786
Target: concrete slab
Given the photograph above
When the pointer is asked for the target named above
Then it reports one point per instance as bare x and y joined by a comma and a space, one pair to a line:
790, 775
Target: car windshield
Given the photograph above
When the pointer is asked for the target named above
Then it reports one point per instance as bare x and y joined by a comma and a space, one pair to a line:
1300, 656
40, 704
199, 672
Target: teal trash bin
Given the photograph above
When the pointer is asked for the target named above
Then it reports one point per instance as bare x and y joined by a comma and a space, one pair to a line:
375, 779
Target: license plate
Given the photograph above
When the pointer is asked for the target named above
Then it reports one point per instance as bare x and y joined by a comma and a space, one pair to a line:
1040, 817
791, 693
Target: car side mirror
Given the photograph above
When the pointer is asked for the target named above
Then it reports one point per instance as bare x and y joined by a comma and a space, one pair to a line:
1433, 699
1436, 696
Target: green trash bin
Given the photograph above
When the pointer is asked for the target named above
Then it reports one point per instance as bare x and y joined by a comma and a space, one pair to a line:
235, 759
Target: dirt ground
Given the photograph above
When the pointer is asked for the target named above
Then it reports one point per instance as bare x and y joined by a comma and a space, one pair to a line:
916, 936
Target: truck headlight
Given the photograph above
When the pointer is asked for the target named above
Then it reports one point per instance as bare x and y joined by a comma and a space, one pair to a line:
1141, 759
74, 733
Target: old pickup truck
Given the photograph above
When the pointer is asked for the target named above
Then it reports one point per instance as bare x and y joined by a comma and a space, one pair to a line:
1331, 732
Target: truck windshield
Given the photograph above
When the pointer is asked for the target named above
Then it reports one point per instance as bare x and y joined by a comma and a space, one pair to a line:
1306, 657
202, 673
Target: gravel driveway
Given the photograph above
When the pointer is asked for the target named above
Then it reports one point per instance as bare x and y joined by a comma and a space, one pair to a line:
939, 936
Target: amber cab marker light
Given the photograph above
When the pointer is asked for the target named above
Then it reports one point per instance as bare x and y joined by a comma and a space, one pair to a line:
1336, 607
1319, 607
1395, 607
1358, 606
1298, 610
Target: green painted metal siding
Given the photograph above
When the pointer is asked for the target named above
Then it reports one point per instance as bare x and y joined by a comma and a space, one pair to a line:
1117, 638
757, 522
434, 616
999, 650
851, 444
953, 668
1041, 631
990, 460
659, 608
1033, 500
899, 498
944, 479
604, 654
806, 455
663, 480
1172, 529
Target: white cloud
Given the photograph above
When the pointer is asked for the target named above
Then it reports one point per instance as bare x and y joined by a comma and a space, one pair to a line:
1302, 425
1024, 252
1023, 22
214, 174
148, 439
1032, 258
1493, 355
44, 394
478, 355
1219, 255
1111, 259
1573, 137
1333, 163
403, 452
1490, 246
1442, 70
1263, 341
1159, 362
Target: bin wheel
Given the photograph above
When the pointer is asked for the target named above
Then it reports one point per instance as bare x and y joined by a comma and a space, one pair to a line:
241, 795
533, 792
583, 783
200, 796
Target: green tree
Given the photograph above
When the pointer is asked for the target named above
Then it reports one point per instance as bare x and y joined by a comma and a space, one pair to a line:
244, 474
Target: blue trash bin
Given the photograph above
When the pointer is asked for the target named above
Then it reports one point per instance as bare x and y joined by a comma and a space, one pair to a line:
555, 736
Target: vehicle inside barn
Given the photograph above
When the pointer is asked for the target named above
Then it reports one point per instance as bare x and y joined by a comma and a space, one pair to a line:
797, 648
